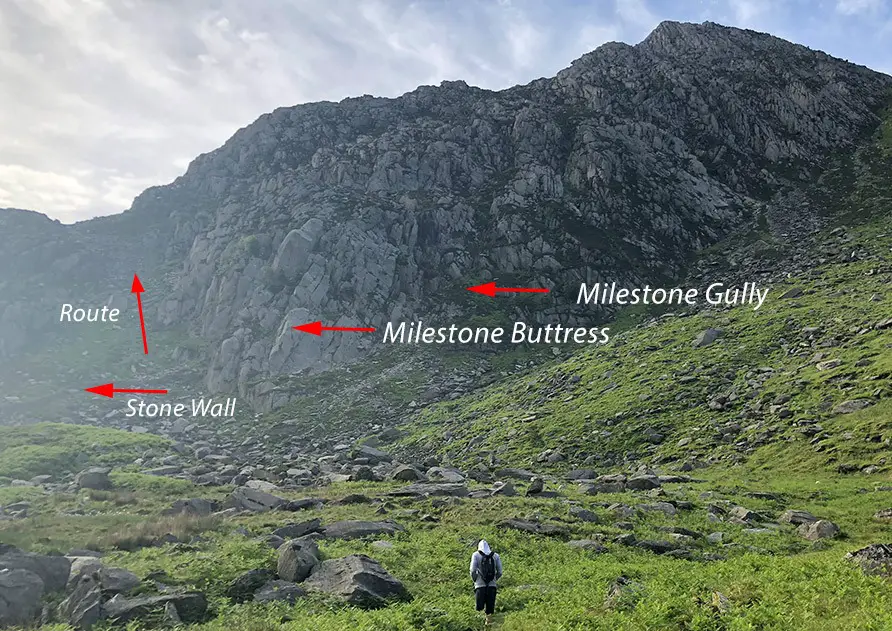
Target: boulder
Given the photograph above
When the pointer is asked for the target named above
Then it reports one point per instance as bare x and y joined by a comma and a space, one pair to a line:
52, 570
261, 485
277, 590
643, 483
196, 507
537, 485
358, 580
83, 607
297, 558
245, 498
583, 514
706, 337
504, 488
582, 474
95, 478
883, 515
443, 474
359, 529
847, 407
295, 531
189, 607
20, 594
243, 588
820, 529
405, 473
373, 455
113, 580
875, 559
305, 503
745, 515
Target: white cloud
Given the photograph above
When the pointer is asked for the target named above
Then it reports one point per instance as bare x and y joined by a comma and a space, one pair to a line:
853, 7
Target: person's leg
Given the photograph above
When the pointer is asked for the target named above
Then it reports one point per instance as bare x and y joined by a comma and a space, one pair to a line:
490, 602
480, 597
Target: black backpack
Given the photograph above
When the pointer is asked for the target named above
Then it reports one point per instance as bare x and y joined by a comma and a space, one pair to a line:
488, 567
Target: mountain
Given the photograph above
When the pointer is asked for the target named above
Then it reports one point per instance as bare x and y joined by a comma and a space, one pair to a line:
370, 210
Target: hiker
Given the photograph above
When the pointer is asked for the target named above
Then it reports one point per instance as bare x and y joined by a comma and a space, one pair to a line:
486, 569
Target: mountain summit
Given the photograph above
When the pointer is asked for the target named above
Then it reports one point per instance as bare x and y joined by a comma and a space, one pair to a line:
371, 210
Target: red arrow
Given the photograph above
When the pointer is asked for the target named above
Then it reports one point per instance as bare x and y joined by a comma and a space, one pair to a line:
109, 390
316, 328
137, 289
490, 289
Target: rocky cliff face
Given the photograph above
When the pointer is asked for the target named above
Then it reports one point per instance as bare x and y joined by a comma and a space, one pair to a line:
374, 210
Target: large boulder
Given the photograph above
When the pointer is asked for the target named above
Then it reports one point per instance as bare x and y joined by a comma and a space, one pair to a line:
95, 478
295, 531
643, 483
797, 517
114, 580
358, 580
20, 594
52, 570
297, 558
406, 473
371, 454
820, 529
83, 607
445, 474
875, 559
706, 337
244, 498
360, 529
190, 607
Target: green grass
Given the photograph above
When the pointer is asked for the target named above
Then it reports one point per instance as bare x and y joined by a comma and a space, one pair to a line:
59, 448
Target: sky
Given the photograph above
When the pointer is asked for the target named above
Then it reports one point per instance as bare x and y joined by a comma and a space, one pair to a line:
100, 99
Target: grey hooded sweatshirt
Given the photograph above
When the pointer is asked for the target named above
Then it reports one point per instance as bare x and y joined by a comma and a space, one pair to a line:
483, 548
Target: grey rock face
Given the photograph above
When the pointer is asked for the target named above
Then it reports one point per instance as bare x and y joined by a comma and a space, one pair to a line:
360, 529
245, 498
83, 607
52, 570
297, 559
820, 529
190, 607
358, 580
94, 478
20, 593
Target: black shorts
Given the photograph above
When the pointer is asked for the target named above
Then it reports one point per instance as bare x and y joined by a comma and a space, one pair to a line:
486, 599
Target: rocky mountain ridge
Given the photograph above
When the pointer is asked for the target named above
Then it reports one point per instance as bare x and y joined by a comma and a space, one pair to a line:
373, 210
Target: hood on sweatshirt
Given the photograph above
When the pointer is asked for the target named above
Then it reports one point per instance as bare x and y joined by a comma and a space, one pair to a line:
483, 547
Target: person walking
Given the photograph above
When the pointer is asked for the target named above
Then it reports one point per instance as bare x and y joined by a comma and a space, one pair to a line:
486, 570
